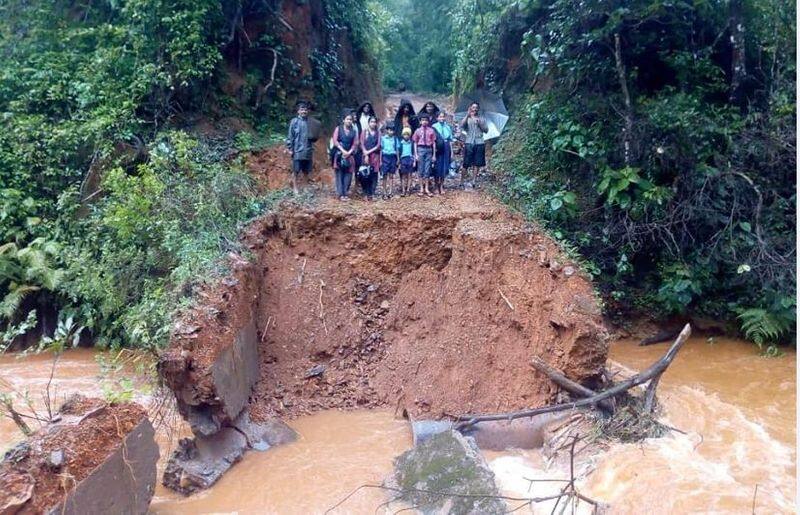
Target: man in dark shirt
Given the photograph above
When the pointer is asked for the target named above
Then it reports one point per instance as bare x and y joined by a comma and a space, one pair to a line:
299, 145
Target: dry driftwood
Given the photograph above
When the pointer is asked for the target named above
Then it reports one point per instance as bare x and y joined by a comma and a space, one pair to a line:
652, 373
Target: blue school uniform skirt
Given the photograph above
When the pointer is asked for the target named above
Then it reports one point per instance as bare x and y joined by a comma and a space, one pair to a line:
388, 164
442, 167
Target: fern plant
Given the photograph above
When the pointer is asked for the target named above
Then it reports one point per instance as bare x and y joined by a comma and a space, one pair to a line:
765, 327
27, 270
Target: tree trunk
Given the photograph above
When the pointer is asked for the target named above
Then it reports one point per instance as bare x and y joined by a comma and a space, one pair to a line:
738, 67
627, 131
653, 372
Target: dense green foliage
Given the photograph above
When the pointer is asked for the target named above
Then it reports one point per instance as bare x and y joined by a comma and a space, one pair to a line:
415, 51
153, 234
111, 205
659, 140
655, 137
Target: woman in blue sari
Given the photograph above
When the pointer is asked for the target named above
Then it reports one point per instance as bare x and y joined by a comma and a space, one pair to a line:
443, 152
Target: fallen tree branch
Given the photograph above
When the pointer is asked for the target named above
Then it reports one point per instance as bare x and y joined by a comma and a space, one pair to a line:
650, 394
15, 416
568, 384
527, 500
653, 371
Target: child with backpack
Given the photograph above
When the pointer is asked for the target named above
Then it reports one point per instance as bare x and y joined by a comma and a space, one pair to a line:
407, 162
444, 138
390, 157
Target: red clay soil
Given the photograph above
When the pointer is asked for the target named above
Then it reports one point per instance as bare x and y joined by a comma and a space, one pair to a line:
435, 306
271, 167
85, 445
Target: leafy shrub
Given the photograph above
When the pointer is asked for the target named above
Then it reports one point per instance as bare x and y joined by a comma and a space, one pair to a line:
683, 178
107, 212
27, 271
155, 233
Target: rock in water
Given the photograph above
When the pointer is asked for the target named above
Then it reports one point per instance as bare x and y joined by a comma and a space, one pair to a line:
199, 462
448, 463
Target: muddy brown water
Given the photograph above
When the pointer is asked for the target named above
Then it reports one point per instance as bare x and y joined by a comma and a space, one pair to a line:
737, 408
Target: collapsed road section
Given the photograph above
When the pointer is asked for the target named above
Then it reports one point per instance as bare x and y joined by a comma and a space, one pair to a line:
433, 309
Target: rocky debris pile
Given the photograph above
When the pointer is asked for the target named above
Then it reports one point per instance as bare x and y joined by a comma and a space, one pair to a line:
447, 474
95, 458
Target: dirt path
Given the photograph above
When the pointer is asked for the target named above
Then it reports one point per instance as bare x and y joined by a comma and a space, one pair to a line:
270, 167
429, 306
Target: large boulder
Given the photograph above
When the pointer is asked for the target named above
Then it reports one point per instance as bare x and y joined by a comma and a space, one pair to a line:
447, 463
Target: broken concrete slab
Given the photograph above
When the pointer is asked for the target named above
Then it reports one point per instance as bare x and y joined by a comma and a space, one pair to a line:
236, 371
199, 462
261, 436
100, 458
213, 395
447, 463
423, 430
124, 483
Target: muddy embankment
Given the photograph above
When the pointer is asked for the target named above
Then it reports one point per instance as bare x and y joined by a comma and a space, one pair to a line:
431, 308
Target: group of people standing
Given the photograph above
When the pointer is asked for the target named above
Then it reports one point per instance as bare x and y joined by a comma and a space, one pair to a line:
418, 147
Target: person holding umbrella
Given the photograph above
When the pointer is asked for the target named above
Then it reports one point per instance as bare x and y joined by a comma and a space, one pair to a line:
474, 127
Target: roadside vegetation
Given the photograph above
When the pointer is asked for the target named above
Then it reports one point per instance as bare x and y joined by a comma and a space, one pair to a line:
415, 44
115, 196
657, 138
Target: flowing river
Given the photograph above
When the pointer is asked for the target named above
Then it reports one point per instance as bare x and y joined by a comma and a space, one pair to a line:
736, 408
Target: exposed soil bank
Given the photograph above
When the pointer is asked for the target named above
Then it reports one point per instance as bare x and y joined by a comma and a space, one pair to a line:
97, 458
432, 306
